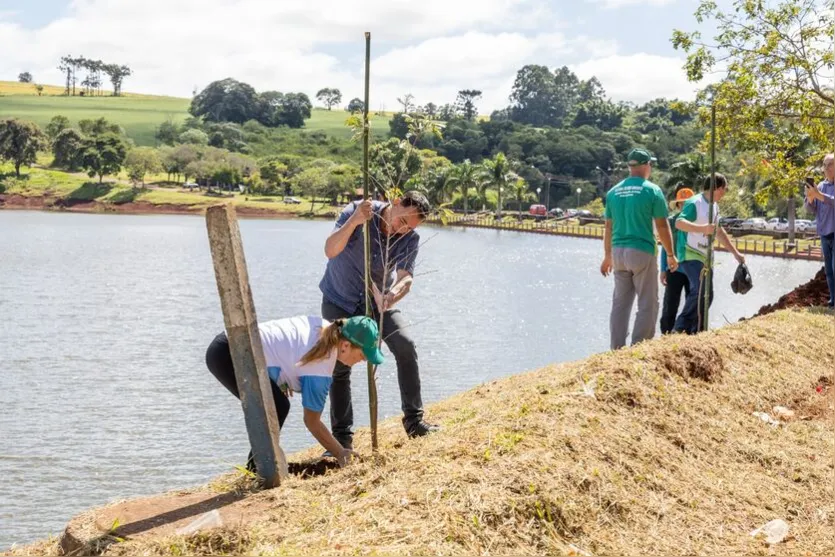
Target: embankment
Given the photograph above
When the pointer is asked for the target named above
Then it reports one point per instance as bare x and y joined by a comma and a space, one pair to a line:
651, 450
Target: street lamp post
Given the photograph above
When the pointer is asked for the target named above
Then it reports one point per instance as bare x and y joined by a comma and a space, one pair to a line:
538, 196
578, 198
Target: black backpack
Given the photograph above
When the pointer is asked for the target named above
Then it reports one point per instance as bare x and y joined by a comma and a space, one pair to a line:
742, 282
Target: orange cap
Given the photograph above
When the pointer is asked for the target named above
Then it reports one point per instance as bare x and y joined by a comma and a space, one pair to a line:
682, 195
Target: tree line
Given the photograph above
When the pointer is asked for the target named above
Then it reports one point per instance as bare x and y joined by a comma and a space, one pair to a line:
91, 80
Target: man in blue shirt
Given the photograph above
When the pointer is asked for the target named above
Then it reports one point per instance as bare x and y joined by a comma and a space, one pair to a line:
394, 249
821, 201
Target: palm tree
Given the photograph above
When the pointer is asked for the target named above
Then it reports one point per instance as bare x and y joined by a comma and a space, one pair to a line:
519, 188
499, 175
465, 176
438, 185
691, 171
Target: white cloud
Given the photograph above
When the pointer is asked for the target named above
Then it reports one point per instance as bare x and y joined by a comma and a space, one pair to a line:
639, 77
614, 4
431, 48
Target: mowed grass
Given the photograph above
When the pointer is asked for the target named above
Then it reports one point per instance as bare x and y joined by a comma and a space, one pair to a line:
141, 115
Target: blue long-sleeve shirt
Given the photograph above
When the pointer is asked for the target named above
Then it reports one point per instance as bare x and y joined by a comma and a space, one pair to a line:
824, 210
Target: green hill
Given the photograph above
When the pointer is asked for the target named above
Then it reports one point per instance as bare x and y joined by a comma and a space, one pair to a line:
139, 115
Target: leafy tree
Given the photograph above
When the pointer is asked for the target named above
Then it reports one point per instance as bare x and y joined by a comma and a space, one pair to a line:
312, 183
226, 100
329, 96
566, 93
67, 148
407, 101
39, 89
392, 164
599, 113
431, 110
465, 102
117, 75
99, 126
194, 137
103, 154
24, 77
56, 125
398, 126
534, 97
167, 133
446, 112
691, 171
356, 106
141, 161
293, 110
775, 94
20, 142
174, 161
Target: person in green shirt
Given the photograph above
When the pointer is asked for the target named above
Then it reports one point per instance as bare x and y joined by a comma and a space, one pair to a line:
632, 207
694, 232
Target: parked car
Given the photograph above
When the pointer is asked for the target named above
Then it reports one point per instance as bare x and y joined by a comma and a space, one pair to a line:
813, 228
729, 222
584, 213
803, 225
777, 224
555, 212
291, 200
753, 224
570, 212
538, 210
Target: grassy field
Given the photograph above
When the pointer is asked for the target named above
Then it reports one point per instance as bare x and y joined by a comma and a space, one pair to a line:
139, 115
650, 450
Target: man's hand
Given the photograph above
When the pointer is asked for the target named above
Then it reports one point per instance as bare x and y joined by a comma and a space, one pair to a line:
383, 301
672, 263
346, 457
606, 266
662, 276
707, 229
362, 212
740, 258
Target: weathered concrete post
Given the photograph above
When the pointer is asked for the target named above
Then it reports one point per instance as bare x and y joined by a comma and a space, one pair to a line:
245, 341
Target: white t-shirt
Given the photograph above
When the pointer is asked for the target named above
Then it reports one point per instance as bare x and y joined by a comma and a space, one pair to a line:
285, 341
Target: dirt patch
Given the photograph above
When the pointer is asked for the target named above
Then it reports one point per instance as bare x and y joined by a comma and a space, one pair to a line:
311, 468
813, 293
699, 362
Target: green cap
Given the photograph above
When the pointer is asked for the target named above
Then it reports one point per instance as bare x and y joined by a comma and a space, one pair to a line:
362, 332
637, 157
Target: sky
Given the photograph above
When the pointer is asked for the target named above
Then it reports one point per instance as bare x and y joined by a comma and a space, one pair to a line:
429, 48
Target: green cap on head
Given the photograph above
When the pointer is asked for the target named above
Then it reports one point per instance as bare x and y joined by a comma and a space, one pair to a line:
637, 157
362, 331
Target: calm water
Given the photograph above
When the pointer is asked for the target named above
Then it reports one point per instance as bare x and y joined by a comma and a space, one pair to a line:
105, 320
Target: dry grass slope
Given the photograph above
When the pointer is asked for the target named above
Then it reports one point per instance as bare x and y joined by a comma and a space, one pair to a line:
664, 459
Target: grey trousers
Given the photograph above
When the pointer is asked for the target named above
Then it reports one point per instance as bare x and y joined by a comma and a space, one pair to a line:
408, 377
636, 273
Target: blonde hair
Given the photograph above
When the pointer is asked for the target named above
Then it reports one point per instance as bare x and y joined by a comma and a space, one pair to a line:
329, 338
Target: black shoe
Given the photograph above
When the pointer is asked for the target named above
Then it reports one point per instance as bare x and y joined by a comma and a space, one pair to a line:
420, 428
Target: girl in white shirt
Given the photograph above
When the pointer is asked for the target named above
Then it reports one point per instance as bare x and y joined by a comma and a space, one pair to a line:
300, 354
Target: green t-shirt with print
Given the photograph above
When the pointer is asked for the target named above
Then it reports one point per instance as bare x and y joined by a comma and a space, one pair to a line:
632, 205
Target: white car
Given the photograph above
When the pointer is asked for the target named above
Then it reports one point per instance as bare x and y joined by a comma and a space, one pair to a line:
291, 200
777, 224
753, 224
802, 225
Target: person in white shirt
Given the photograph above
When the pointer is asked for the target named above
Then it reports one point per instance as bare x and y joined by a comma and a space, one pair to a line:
300, 354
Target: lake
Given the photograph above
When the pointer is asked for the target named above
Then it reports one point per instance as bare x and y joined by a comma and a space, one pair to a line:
106, 318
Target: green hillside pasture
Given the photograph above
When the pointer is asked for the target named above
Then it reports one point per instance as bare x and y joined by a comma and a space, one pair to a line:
139, 116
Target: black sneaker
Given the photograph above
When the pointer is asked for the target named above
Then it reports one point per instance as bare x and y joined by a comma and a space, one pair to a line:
420, 428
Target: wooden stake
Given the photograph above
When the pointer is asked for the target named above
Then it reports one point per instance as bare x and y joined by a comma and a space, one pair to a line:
372, 369
708, 276
245, 342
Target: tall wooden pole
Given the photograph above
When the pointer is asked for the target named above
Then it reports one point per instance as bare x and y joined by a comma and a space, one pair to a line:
245, 342
372, 371
708, 271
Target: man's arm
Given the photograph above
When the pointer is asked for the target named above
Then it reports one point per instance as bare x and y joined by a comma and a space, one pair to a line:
398, 291
816, 195
350, 219
726, 241
666, 237
606, 266
687, 226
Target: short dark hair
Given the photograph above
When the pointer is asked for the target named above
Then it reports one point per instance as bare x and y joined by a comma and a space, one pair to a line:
721, 182
418, 201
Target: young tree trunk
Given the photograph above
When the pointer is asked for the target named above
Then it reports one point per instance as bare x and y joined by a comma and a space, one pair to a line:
466, 194
17, 169
101, 178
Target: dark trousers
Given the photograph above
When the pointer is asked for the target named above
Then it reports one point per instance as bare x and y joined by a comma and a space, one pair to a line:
828, 249
676, 282
691, 320
219, 362
408, 377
